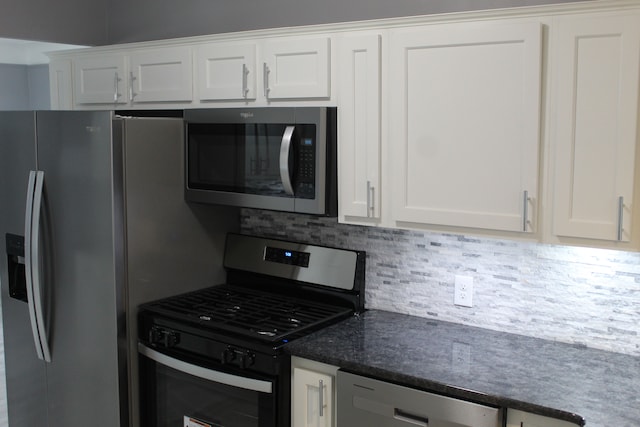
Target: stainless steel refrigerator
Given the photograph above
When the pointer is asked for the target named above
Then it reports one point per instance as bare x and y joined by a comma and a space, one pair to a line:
92, 222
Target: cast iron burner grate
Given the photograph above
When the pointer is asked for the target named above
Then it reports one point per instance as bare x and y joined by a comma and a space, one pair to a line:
261, 315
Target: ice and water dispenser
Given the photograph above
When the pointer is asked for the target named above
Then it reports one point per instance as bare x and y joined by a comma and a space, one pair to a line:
16, 267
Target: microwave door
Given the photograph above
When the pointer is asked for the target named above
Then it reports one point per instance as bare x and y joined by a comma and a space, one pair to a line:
237, 165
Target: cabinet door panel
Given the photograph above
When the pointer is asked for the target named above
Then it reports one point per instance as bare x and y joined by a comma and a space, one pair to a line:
310, 391
226, 72
297, 68
359, 126
465, 124
100, 80
60, 83
162, 75
595, 129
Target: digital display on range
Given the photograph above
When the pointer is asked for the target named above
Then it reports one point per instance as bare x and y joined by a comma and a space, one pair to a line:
286, 256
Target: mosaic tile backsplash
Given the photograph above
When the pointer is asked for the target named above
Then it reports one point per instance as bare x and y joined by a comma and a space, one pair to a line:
575, 295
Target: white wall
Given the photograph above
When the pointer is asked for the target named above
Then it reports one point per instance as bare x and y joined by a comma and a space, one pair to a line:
24, 87
142, 20
81, 22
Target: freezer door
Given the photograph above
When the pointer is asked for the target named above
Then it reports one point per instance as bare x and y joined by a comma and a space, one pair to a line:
75, 152
25, 373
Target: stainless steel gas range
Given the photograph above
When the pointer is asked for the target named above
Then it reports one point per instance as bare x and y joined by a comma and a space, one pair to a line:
214, 357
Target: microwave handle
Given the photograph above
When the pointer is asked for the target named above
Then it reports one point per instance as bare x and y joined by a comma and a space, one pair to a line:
285, 148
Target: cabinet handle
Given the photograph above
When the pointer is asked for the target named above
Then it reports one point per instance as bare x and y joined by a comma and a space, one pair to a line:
320, 398
115, 87
245, 88
132, 78
525, 210
370, 199
265, 79
620, 216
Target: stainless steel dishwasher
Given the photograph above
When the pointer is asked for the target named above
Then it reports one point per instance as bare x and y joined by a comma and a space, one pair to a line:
366, 402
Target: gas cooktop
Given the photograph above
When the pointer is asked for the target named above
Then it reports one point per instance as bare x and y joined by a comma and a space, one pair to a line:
254, 314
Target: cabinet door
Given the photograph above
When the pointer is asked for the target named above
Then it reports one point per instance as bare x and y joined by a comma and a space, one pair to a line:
312, 399
226, 72
596, 85
465, 119
524, 419
296, 68
100, 80
60, 84
359, 126
163, 75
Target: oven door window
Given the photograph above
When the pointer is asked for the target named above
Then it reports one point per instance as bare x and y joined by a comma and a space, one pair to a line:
172, 397
249, 159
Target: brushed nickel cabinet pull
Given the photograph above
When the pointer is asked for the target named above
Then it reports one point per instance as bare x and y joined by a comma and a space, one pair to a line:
620, 216
320, 398
525, 210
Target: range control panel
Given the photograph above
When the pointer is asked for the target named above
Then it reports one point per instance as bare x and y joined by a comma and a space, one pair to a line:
286, 256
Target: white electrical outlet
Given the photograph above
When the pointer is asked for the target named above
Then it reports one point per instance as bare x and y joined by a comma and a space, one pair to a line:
463, 293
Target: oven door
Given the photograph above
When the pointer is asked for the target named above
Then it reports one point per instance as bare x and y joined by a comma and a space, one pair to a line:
177, 393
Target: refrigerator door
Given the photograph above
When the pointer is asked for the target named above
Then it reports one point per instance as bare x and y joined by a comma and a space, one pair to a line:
77, 268
25, 373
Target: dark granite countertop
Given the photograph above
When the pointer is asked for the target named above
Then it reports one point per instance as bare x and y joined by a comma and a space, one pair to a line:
573, 383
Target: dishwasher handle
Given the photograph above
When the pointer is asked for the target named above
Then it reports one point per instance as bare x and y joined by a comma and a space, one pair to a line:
417, 420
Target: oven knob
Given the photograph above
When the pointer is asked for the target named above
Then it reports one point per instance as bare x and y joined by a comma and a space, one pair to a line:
170, 339
155, 335
246, 359
228, 355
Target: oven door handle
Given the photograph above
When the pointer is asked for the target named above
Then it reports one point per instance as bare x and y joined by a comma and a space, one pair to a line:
207, 374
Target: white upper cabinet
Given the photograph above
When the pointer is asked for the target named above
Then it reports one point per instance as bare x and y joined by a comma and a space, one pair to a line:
163, 75
595, 124
153, 76
100, 80
359, 115
60, 83
226, 72
294, 68
464, 120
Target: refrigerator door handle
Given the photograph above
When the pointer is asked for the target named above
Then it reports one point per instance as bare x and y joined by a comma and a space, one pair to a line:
35, 190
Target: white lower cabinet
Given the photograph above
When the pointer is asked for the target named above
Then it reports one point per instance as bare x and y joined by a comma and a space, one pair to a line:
464, 120
312, 394
595, 132
517, 418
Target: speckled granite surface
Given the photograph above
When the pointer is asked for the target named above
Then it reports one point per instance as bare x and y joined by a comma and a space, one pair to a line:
577, 384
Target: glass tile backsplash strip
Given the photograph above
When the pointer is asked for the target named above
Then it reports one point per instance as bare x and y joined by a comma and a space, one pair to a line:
576, 295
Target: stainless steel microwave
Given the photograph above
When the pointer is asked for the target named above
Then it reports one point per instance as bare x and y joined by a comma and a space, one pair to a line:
276, 158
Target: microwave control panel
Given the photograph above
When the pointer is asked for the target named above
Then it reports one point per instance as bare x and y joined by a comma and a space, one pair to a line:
306, 171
